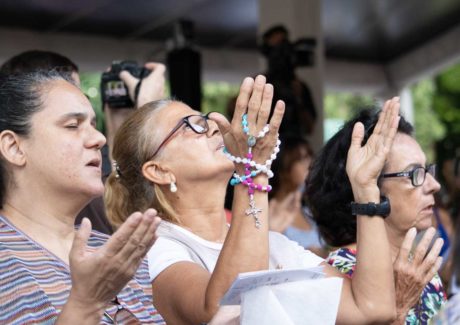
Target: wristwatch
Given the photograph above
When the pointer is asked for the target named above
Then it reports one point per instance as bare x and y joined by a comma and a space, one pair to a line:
381, 209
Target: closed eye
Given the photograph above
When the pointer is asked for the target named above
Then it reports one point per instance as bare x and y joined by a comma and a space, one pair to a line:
72, 126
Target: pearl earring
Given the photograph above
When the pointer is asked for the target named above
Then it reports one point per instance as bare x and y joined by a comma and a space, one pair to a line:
173, 187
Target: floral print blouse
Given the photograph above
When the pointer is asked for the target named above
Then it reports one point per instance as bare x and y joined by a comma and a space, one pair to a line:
432, 299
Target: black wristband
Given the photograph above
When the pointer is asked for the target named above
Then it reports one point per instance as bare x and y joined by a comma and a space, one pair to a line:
381, 209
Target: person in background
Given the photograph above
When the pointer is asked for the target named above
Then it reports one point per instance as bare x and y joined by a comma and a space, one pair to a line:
50, 168
288, 212
300, 116
408, 183
172, 157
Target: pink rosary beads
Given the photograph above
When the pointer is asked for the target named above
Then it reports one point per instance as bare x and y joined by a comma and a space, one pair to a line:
252, 169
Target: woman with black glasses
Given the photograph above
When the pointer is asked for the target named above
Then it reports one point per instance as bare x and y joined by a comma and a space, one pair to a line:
171, 157
407, 183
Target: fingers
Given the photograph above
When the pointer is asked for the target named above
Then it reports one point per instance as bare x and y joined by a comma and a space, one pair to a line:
136, 257
277, 117
265, 107
225, 129
357, 136
242, 101
391, 127
406, 245
140, 238
378, 125
158, 68
81, 239
222, 123
433, 270
122, 235
433, 254
128, 79
255, 101
423, 245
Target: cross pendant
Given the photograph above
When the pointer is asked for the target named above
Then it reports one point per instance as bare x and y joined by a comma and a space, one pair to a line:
253, 210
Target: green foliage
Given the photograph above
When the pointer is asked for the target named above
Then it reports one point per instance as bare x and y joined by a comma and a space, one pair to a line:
217, 96
428, 127
90, 85
447, 100
344, 106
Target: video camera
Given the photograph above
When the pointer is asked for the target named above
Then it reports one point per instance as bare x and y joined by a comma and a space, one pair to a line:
284, 56
113, 90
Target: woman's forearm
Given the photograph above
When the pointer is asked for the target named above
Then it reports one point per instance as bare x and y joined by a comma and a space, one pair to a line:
246, 246
372, 282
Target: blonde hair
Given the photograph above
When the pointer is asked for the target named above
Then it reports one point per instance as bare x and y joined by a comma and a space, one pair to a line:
127, 190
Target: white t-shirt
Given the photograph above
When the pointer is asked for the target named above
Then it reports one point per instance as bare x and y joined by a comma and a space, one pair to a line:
176, 244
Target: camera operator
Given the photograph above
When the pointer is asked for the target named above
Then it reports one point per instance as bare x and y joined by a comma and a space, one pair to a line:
150, 88
283, 57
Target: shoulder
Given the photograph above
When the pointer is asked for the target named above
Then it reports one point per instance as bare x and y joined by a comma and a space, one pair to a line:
164, 253
343, 259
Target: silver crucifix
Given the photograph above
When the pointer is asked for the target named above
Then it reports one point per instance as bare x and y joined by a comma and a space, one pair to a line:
253, 211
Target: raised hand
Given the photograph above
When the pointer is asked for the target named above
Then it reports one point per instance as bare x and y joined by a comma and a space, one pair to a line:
99, 274
255, 100
365, 163
152, 87
413, 271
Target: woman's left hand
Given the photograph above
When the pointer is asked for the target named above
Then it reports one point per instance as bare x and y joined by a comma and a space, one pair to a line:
413, 271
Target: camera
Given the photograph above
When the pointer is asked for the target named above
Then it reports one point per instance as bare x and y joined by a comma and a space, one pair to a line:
113, 90
283, 55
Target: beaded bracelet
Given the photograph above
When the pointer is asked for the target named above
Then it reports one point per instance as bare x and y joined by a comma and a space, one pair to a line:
247, 178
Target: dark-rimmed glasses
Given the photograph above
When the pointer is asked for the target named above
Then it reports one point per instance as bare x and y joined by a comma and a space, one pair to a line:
121, 315
198, 124
417, 175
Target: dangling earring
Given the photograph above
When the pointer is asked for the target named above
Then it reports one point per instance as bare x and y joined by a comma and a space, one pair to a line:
173, 187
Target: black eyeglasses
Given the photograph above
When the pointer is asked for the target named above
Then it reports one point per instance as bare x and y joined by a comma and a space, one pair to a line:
121, 315
198, 124
417, 175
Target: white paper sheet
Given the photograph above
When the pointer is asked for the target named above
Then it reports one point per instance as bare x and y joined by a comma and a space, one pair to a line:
251, 280
293, 303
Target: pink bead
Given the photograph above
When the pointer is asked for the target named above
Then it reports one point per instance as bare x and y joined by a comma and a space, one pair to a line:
249, 155
269, 188
247, 172
250, 191
259, 187
245, 182
249, 179
247, 165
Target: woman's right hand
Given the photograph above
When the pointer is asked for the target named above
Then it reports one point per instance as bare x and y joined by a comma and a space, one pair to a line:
365, 163
255, 100
413, 271
99, 274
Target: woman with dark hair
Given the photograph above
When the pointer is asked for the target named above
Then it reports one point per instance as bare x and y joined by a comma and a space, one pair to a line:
171, 157
408, 183
288, 212
50, 168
